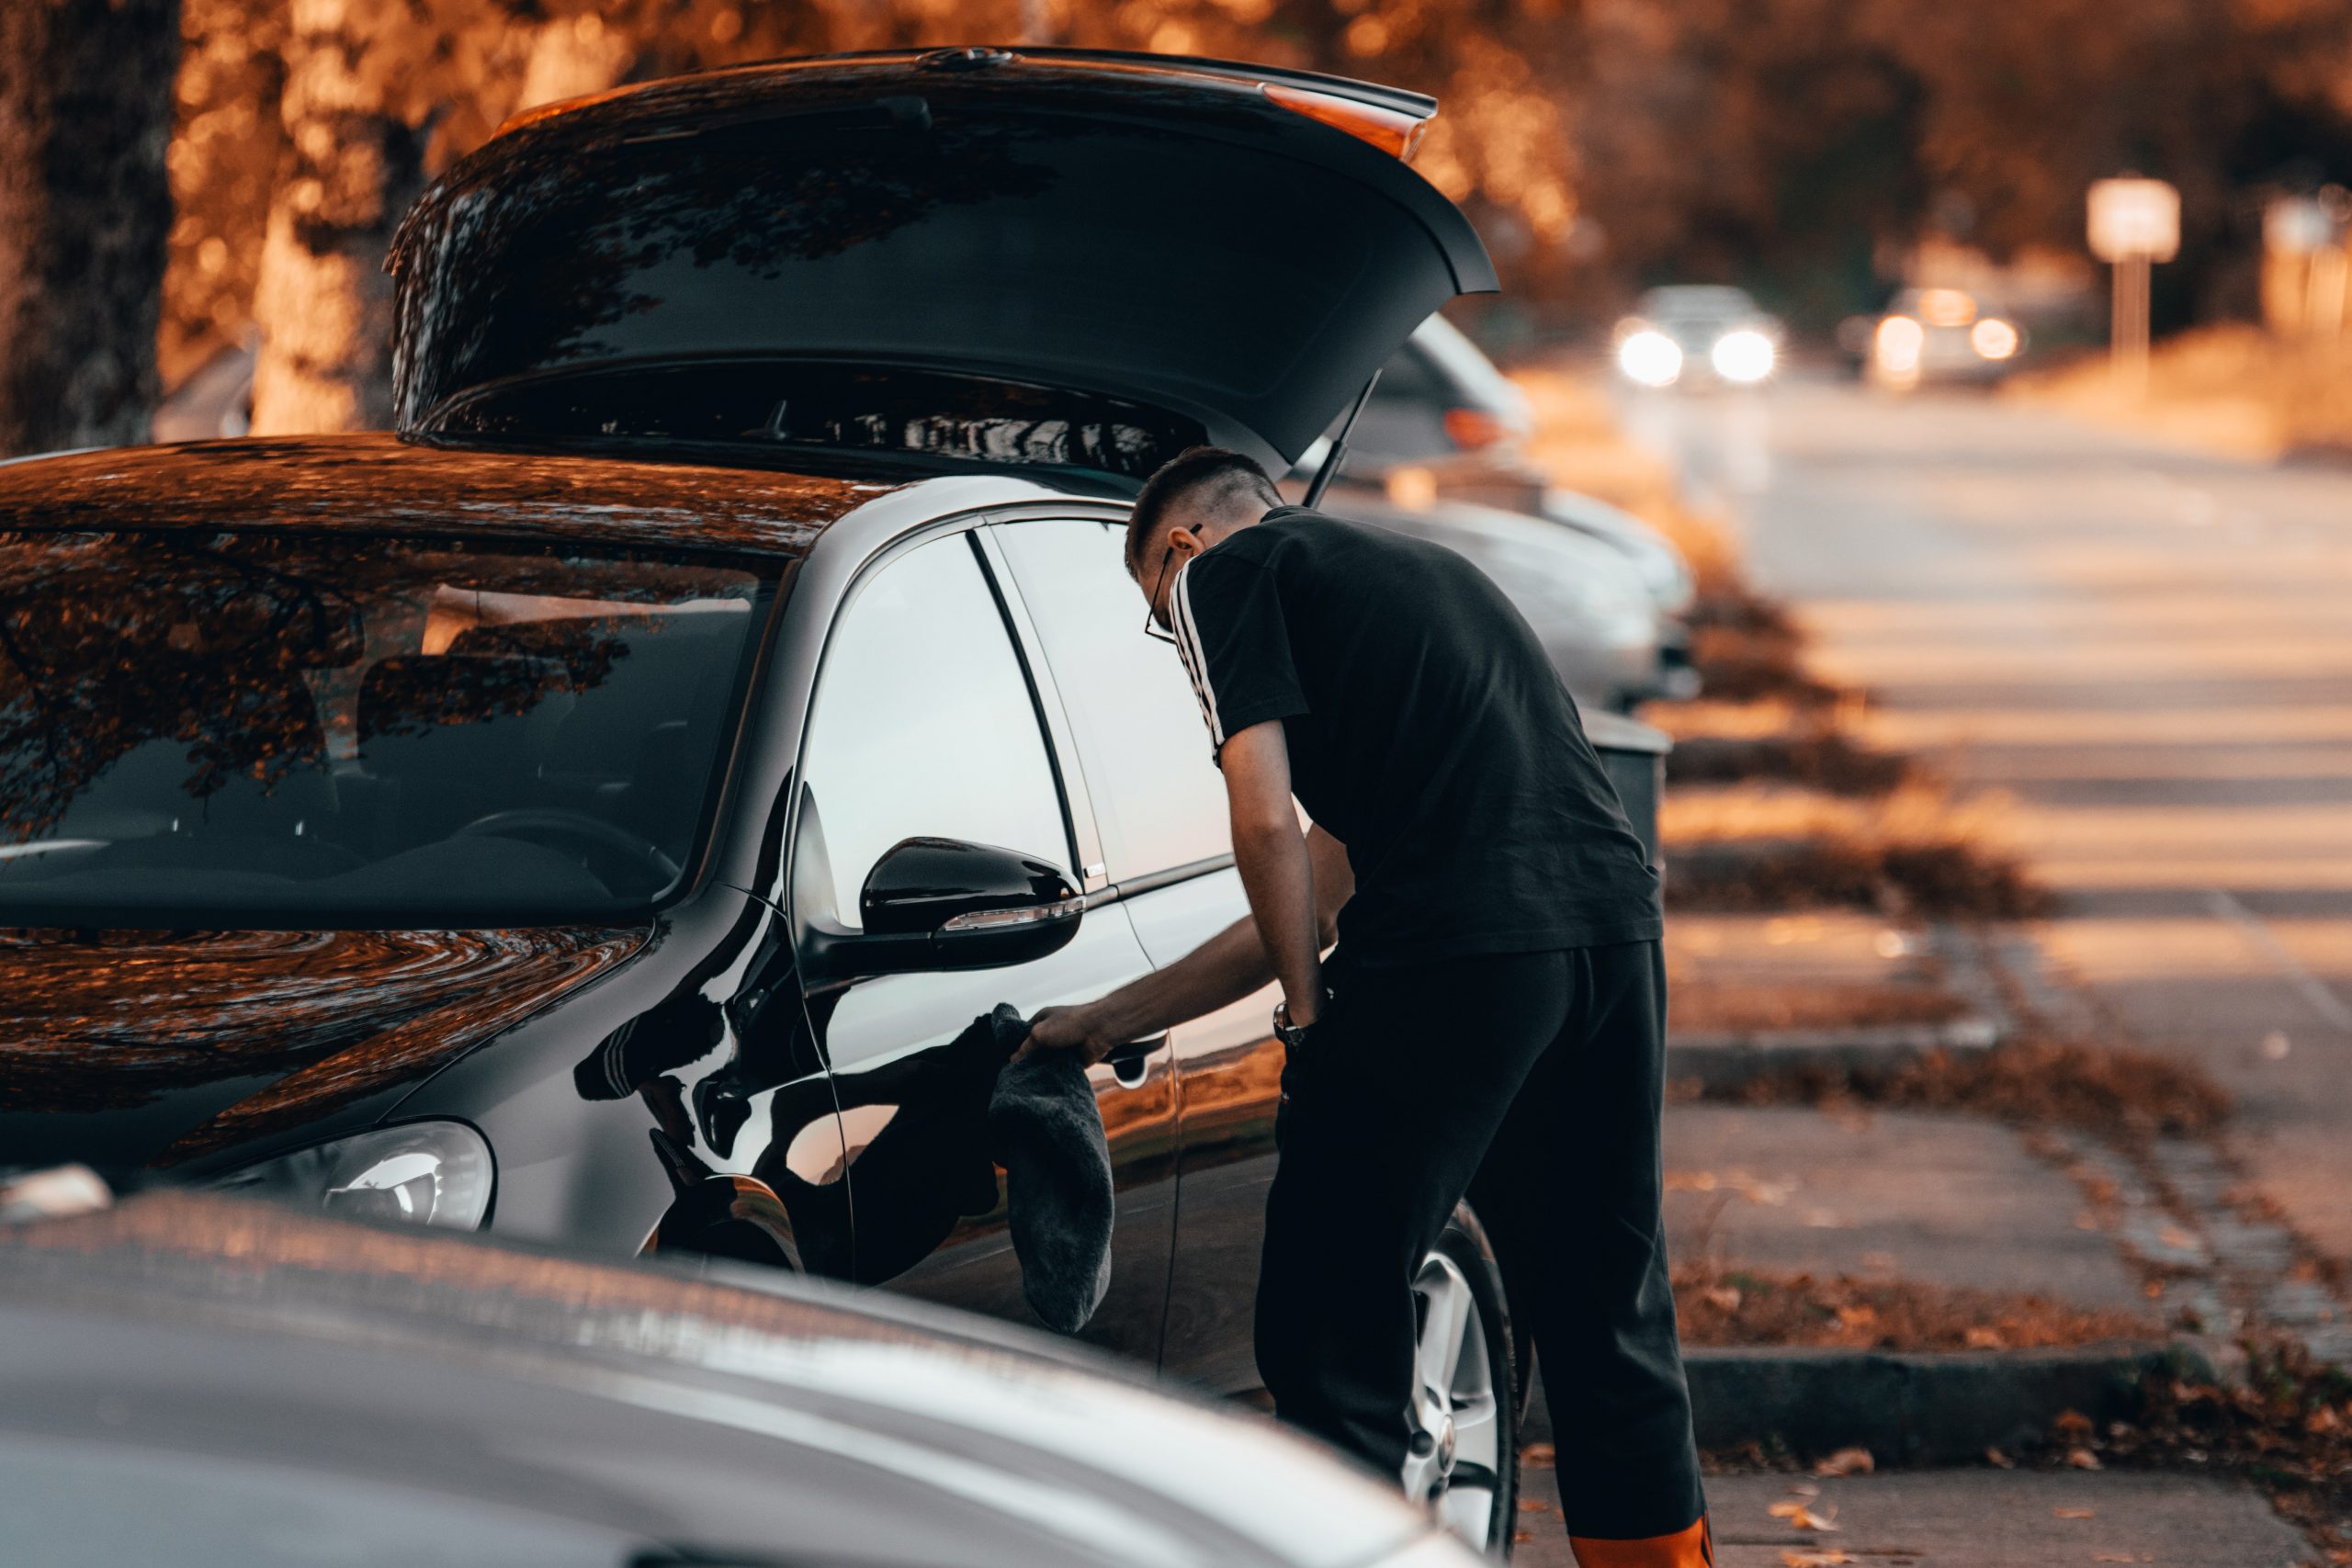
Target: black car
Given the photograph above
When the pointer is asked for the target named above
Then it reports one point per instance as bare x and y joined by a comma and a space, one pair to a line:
597, 813
193, 1380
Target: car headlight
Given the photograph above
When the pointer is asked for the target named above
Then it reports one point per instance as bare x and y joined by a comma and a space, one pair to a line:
1744, 356
424, 1173
1992, 338
1650, 358
1897, 344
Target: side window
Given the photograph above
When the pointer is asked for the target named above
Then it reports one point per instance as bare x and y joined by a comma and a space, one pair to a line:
923, 723
1157, 794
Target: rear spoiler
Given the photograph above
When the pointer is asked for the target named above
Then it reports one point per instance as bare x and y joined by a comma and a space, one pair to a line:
1389, 118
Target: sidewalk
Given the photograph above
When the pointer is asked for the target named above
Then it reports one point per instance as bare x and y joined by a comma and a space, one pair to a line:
1946, 1201
1964, 1519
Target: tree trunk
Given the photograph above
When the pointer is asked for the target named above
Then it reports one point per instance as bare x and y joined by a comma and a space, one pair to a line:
86, 117
323, 301
574, 56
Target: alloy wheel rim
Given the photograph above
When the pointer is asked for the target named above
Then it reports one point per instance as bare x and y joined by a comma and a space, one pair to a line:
1457, 1418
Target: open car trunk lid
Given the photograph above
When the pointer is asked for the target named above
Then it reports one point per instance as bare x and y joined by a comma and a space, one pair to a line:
1052, 256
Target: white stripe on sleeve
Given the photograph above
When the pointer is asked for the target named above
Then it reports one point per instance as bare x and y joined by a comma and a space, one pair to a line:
1188, 644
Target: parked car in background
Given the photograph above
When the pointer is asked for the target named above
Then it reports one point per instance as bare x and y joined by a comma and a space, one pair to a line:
1695, 337
1442, 426
195, 1380
1928, 335
1440, 400
1586, 601
597, 814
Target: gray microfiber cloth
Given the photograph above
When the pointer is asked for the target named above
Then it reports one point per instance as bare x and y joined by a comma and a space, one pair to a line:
1049, 1136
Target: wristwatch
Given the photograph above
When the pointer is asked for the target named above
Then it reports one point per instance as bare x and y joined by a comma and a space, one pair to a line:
1293, 1035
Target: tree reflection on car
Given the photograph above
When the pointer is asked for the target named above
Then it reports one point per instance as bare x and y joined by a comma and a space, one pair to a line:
288, 724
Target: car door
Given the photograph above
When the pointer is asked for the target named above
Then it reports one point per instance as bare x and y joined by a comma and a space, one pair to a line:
928, 721
1168, 854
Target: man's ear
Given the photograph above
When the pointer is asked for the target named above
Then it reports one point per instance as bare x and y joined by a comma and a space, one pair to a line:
1186, 542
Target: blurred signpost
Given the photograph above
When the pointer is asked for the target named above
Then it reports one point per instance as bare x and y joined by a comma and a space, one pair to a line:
2303, 262
2134, 222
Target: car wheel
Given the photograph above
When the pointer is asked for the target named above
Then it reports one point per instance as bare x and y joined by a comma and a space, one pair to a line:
1464, 1463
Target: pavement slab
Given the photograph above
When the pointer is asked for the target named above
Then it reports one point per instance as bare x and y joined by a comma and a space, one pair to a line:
1735, 975
2147, 651
1948, 1200
1969, 1518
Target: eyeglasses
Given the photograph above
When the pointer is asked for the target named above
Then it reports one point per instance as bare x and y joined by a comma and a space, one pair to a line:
1151, 626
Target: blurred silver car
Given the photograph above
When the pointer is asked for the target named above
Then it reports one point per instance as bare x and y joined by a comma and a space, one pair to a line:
1442, 414
1587, 604
1935, 334
216, 1383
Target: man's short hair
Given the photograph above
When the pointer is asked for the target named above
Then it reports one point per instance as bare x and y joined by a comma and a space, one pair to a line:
1210, 475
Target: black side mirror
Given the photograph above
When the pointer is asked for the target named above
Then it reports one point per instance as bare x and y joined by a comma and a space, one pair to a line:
945, 904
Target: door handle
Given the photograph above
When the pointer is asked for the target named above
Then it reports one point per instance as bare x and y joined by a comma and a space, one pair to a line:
1131, 1063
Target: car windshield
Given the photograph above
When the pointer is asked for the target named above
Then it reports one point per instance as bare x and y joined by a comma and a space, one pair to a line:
1697, 302
258, 729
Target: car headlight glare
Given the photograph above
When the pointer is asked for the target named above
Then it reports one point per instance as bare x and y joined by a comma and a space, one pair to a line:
1992, 338
1897, 344
424, 1173
1744, 356
1650, 359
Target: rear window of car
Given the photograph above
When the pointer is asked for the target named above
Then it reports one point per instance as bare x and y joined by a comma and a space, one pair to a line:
246, 729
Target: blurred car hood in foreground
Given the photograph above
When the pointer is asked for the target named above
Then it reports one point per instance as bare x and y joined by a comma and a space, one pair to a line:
222, 1381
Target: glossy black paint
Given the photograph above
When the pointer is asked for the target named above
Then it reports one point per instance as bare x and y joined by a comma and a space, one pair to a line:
689, 1086
902, 226
921, 885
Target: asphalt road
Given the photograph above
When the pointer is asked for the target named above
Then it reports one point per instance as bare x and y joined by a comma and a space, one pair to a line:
2150, 652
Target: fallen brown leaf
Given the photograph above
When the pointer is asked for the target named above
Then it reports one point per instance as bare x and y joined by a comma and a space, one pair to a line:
1802, 1516
1533, 1505
2082, 1458
2075, 1513
1846, 1461
1981, 1338
1536, 1456
1829, 1558
1726, 1297
1998, 1460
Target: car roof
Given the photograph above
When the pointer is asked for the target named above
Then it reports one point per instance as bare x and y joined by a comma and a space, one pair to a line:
1698, 299
798, 1419
379, 484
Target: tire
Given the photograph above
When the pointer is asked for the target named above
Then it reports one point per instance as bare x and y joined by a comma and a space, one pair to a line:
1466, 1391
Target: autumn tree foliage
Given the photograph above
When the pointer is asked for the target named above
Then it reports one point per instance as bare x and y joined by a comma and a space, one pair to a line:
85, 117
1789, 136
1598, 144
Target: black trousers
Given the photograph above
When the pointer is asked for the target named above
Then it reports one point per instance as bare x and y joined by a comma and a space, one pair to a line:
1533, 1083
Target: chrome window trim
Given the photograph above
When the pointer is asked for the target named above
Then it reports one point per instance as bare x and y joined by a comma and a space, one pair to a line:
1061, 739
1152, 882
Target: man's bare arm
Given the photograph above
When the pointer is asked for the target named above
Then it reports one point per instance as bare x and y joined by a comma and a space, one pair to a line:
1270, 852
1221, 971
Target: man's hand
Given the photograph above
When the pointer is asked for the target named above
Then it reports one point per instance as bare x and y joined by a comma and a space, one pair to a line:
1078, 1029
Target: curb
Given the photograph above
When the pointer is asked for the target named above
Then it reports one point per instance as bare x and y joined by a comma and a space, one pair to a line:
1913, 1408
1717, 1063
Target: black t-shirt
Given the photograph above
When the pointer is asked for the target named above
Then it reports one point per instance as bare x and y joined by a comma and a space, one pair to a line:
1428, 732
